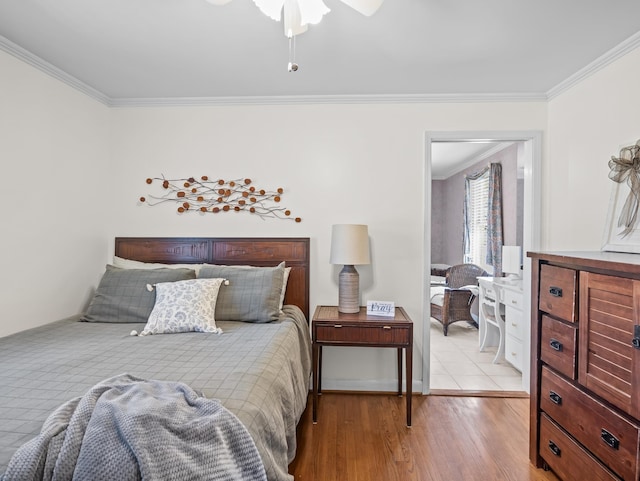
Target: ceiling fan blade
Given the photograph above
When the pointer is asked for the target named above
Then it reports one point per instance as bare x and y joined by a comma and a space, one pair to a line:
218, 2
311, 11
365, 7
271, 8
292, 20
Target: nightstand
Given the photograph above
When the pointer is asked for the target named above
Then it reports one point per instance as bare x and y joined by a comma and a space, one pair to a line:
332, 328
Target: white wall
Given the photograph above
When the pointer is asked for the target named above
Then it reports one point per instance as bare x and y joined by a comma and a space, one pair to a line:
73, 171
337, 164
53, 151
587, 125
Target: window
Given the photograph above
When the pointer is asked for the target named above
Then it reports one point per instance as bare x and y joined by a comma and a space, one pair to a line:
476, 219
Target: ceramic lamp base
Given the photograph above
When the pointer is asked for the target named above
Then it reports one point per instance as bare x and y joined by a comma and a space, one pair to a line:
349, 290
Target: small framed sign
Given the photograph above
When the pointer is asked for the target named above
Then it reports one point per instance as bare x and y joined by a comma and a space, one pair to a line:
381, 308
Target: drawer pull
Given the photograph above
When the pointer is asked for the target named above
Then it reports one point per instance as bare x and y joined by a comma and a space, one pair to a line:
386, 327
337, 325
636, 337
555, 398
610, 439
555, 291
553, 447
555, 345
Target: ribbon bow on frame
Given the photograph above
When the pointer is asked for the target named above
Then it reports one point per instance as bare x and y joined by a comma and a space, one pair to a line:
626, 168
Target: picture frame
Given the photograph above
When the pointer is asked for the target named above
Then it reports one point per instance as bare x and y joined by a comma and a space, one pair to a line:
614, 240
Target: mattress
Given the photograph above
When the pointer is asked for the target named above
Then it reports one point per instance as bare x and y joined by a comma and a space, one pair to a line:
260, 372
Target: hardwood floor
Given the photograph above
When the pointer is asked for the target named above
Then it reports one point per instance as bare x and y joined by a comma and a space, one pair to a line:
363, 437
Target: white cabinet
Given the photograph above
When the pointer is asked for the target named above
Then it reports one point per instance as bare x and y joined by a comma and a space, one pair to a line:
502, 322
515, 325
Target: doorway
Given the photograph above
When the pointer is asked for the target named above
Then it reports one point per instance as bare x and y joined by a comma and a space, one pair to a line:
530, 142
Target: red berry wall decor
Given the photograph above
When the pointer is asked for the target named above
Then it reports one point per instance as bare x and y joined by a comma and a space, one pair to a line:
217, 196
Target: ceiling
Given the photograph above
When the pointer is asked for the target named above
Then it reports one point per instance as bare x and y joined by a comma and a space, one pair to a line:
449, 158
124, 50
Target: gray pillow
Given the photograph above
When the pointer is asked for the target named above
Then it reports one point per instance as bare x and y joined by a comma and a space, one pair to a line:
253, 293
122, 294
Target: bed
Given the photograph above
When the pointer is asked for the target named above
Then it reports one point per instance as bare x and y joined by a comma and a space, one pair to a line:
258, 370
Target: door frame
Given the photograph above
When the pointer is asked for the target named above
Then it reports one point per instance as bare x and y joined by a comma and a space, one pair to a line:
531, 238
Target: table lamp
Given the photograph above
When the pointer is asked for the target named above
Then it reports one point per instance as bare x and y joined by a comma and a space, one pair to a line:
512, 262
349, 246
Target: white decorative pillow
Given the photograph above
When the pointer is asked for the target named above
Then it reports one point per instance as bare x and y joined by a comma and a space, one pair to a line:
287, 271
184, 306
123, 263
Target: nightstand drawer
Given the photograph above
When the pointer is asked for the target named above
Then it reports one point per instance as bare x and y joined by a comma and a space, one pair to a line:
384, 334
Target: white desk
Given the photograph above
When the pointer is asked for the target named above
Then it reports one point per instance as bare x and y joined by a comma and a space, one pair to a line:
501, 320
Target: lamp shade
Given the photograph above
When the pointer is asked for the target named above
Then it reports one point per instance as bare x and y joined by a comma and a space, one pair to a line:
511, 259
349, 244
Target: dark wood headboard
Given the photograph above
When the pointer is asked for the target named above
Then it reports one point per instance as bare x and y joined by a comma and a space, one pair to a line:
255, 251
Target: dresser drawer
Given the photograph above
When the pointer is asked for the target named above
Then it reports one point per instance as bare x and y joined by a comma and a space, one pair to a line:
558, 346
569, 460
513, 299
514, 322
514, 352
558, 292
610, 437
382, 335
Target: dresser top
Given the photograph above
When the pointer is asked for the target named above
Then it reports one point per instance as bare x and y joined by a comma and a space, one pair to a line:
599, 260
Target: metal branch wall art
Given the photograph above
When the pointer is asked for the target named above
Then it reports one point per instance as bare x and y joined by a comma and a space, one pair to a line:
217, 196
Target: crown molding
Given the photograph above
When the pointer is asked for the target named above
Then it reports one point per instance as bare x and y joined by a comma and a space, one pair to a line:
607, 58
326, 99
44, 66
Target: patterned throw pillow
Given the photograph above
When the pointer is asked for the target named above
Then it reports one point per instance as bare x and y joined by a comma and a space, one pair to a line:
184, 306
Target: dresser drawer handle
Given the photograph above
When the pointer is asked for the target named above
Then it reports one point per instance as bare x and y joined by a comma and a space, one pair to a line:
555, 398
635, 342
555, 345
337, 325
386, 327
553, 447
610, 439
555, 291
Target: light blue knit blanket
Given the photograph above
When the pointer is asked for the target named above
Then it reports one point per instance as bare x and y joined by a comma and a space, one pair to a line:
126, 428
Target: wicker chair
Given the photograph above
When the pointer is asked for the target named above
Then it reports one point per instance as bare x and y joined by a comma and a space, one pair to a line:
453, 303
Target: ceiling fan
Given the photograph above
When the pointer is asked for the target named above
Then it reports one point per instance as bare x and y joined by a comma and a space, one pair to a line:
298, 14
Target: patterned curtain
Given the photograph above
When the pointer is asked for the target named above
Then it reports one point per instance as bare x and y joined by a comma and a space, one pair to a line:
494, 228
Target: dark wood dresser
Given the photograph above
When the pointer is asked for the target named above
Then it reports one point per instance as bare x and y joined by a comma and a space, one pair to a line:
585, 366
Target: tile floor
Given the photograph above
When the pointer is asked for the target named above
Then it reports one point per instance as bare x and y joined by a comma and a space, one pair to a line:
458, 364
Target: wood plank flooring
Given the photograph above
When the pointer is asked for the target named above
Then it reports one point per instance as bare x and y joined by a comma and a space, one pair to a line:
363, 437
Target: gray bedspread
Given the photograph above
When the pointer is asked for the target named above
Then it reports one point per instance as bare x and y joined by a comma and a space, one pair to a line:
129, 429
260, 372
